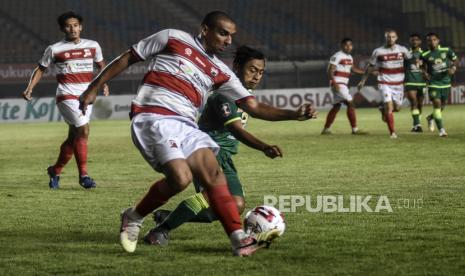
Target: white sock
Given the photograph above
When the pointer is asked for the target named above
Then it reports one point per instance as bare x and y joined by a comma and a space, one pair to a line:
133, 215
354, 129
236, 237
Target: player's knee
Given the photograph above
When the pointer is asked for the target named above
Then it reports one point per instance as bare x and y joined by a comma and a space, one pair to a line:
180, 179
82, 132
337, 106
240, 203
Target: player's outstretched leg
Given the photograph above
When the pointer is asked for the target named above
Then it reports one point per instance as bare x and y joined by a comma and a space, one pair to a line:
80, 153
352, 117
389, 117
178, 177
205, 168
330, 118
66, 153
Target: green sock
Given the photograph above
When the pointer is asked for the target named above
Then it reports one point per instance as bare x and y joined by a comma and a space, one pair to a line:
206, 215
187, 210
437, 115
416, 117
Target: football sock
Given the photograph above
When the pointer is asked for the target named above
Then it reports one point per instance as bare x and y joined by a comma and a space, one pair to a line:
225, 208
351, 116
66, 153
416, 117
158, 194
437, 115
80, 153
331, 116
187, 210
390, 122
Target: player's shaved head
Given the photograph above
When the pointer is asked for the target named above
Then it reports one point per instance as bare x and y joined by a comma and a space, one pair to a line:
67, 15
211, 19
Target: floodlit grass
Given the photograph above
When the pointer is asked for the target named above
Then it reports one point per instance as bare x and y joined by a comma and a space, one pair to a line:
74, 231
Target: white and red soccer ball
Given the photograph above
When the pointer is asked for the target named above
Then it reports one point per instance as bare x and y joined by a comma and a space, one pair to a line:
264, 218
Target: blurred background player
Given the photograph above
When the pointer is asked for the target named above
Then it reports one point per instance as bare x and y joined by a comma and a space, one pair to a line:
225, 123
74, 59
415, 84
389, 61
439, 63
183, 69
339, 69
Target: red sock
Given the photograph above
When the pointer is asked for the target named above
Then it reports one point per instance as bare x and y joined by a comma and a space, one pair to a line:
390, 122
66, 152
225, 208
80, 152
351, 116
157, 195
331, 116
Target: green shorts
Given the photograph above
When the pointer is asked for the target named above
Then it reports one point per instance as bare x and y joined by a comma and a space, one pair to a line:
418, 88
439, 93
226, 164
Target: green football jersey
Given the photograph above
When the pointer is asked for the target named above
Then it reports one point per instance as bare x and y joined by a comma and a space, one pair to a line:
413, 73
438, 62
217, 114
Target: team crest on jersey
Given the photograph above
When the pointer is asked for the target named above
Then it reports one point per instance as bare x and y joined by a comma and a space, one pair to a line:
188, 51
214, 72
67, 55
226, 110
400, 56
438, 61
173, 144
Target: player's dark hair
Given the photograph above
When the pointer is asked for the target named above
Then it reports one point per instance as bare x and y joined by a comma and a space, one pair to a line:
345, 40
67, 15
212, 17
244, 54
415, 35
432, 34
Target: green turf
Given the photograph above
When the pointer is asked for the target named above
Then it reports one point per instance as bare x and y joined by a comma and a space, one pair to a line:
74, 231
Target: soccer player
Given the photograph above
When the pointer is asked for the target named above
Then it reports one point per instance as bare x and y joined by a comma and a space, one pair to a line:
74, 59
414, 82
183, 69
389, 60
225, 123
339, 69
439, 63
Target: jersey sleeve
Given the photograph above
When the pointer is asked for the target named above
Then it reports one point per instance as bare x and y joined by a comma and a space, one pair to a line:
407, 53
234, 91
98, 53
152, 45
334, 60
373, 58
225, 111
47, 58
451, 55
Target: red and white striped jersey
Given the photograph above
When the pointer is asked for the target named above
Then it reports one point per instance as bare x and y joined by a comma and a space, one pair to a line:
343, 63
181, 74
390, 63
74, 64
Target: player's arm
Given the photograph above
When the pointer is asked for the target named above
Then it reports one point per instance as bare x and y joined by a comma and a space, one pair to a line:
101, 65
424, 68
270, 113
33, 81
357, 70
453, 66
245, 137
114, 68
369, 69
331, 71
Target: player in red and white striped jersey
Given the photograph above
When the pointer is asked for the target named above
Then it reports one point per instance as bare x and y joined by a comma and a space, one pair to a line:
339, 70
389, 61
74, 59
183, 69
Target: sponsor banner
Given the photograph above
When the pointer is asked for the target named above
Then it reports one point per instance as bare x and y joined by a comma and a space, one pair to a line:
118, 107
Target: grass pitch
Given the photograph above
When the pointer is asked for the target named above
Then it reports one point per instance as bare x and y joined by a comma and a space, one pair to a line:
74, 231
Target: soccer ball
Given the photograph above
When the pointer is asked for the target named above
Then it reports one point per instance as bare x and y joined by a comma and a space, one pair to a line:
264, 218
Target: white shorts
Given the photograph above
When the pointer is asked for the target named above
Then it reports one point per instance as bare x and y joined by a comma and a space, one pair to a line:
71, 113
161, 138
392, 93
342, 95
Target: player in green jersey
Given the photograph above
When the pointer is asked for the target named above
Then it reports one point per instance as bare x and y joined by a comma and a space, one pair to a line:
224, 122
414, 82
439, 65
